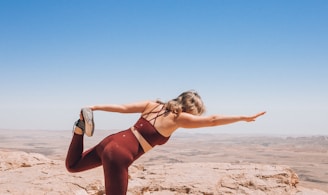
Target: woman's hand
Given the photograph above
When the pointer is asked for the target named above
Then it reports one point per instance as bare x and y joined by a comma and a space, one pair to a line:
253, 117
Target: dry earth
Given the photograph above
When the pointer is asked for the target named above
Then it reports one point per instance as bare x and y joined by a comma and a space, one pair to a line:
306, 156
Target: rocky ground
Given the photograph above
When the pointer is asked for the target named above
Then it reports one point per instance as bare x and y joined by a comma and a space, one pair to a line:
32, 173
32, 162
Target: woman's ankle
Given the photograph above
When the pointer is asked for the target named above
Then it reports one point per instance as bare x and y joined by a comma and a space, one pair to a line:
78, 131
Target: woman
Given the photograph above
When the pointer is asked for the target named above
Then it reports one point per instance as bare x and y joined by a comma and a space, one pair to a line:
156, 124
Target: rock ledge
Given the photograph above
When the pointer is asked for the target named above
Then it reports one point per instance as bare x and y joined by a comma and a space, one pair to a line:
31, 173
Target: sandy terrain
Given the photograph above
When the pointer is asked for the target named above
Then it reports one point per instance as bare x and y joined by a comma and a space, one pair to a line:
307, 156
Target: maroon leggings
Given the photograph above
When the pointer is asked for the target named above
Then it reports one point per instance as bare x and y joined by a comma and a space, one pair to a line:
116, 153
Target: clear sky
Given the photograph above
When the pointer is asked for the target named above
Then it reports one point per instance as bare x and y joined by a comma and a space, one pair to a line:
243, 57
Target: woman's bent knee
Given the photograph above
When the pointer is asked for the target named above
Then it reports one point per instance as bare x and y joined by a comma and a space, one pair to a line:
70, 168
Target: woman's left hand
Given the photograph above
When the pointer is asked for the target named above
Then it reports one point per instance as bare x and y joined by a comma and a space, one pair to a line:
253, 117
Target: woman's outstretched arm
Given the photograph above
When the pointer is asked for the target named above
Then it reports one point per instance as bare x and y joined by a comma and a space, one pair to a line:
137, 107
186, 120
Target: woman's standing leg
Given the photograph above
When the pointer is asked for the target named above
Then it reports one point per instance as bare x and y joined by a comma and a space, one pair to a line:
117, 155
116, 161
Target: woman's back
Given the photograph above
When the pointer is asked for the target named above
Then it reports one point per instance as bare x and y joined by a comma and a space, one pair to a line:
162, 119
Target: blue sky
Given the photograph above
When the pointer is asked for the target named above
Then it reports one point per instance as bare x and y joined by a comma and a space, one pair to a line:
241, 56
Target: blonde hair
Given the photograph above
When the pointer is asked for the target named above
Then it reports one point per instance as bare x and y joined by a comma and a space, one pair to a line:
188, 101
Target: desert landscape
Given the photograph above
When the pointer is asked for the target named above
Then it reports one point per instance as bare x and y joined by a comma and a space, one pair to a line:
32, 161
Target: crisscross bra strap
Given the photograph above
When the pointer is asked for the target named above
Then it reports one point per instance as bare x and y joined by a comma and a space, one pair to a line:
158, 113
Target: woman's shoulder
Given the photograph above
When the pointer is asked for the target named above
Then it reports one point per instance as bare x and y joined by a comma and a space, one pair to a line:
153, 103
152, 106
